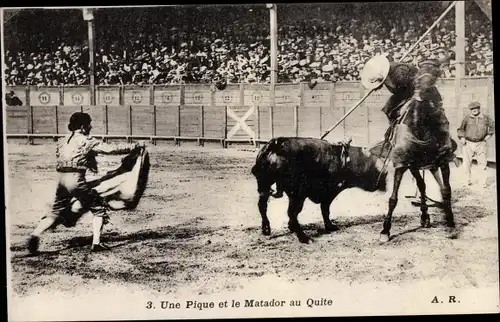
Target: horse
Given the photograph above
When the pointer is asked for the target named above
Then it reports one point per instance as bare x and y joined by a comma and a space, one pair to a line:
413, 146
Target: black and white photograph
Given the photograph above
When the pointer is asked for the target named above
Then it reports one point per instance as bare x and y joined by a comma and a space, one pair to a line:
254, 160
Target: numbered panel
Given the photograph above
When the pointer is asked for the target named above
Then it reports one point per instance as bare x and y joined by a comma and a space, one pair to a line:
108, 95
320, 95
256, 94
167, 95
197, 95
136, 96
287, 94
317, 98
76, 96
230, 96
44, 96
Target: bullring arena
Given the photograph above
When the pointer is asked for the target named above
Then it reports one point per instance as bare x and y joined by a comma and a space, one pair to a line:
196, 235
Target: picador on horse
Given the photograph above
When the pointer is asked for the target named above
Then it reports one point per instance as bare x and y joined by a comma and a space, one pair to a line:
410, 84
418, 137
314, 169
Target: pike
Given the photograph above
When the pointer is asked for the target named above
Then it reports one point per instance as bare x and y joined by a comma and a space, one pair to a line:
403, 57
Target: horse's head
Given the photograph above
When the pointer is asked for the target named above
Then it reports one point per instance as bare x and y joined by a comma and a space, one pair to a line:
419, 118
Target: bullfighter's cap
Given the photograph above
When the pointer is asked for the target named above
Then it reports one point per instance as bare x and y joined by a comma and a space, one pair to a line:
474, 105
375, 72
78, 119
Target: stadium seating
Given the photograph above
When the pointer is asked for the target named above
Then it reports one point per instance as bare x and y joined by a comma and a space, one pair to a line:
171, 45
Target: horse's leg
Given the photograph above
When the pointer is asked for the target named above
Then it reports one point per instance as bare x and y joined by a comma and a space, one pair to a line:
325, 212
424, 218
437, 176
446, 193
393, 201
295, 205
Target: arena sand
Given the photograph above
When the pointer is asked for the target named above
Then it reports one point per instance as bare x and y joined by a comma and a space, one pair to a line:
196, 235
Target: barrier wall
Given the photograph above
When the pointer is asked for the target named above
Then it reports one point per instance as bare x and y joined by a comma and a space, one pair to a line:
241, 112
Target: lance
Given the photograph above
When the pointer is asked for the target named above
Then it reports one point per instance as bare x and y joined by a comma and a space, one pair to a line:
403, 57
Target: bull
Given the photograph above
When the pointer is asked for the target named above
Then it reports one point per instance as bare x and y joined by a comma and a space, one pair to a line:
315, 169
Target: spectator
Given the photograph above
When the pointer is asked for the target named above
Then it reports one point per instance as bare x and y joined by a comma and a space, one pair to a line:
476, 129
12, 100
204, 42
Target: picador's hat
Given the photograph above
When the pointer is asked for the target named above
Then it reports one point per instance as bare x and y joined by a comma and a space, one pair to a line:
375, 72
433, 62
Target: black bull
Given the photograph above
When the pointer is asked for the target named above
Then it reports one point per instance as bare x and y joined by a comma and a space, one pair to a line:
315, 169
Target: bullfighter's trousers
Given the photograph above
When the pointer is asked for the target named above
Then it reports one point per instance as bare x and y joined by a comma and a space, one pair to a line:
73, 185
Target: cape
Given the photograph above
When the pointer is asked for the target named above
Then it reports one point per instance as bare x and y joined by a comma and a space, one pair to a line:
121, 188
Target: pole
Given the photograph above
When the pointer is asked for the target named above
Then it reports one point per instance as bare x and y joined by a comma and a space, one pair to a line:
459, 53
403, 57
91, 60
91, 35
274, 41
431, 27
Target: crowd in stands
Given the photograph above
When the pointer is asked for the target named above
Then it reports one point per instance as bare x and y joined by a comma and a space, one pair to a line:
208, 44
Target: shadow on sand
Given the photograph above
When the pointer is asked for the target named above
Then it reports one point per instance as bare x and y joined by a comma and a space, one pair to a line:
115, 239
464, 216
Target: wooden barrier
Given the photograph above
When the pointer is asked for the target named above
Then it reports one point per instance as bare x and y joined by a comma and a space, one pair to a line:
251, 113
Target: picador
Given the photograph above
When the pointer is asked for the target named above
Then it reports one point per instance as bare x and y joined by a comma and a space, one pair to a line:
407, 82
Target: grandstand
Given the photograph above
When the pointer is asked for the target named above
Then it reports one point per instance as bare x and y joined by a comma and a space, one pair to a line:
203, 44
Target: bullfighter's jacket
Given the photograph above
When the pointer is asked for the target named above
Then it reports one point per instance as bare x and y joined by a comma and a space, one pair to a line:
77, 151
405, 81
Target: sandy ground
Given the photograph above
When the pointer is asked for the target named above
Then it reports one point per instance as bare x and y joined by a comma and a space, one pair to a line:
196, 235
